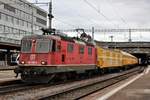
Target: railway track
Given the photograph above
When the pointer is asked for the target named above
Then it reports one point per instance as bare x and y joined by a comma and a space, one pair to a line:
19, 87
10, 82
67, 90
88, 87
12, 88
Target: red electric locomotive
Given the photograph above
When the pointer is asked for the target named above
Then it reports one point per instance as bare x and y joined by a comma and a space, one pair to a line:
44, 57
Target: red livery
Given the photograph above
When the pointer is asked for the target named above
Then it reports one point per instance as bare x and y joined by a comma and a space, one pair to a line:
51, 54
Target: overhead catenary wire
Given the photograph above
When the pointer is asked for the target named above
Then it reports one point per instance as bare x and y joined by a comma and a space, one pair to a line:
80, 16
98, 11
64, 22
57, 19
121, 17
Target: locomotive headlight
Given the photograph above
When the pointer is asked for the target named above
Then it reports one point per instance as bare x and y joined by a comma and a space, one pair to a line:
22, 62
43, 62
33, 41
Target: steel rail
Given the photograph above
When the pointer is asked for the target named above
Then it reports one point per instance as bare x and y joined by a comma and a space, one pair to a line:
90, 86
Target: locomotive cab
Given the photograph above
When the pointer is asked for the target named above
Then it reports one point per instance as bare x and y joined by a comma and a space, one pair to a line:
37, 51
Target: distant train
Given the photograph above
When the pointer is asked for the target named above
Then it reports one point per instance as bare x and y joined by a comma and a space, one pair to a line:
45, 57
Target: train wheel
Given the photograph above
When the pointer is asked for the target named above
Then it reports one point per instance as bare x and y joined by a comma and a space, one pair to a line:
102, 71
63, 77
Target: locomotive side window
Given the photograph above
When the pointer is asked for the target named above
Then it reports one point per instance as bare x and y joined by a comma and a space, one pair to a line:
58, 46
81, 49
54, 46
43, 46
89, 51
26, 46
70, 48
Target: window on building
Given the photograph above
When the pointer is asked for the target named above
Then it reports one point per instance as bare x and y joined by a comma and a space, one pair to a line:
15, 31
81, 49
6, 29
39, 20
42, 13
1, 29
29, 25
36, 27
26, 6
2, 16
9, 18
89, 51
25, 23
11, 30
22, 14
24, 32
18, 13
10, 8
22, 22
30, 18
6, 17
15, 20
12, 19
20, 31
27, 16
70, 47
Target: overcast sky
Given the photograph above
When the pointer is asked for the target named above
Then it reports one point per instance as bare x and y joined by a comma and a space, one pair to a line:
71, 14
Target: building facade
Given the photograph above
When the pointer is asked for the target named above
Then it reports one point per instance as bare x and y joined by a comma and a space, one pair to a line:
20, 17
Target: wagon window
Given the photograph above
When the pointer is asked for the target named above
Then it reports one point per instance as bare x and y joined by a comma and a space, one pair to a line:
26, 46
70, 48
89, 51
81, 50
43, 46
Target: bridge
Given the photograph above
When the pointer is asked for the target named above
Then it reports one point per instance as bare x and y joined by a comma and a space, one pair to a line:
130, 47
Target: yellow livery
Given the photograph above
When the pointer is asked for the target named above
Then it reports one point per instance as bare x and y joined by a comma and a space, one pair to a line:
114, 58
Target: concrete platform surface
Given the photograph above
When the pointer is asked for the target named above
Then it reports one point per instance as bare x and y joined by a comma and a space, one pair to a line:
7, 68
137, 90
136, 87
7, 75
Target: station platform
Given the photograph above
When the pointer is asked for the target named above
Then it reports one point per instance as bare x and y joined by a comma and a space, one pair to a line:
134, 88
8, 75
7, 68
137, 90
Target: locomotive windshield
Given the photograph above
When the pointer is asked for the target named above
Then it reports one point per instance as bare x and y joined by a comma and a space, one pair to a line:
26, 45
43, 46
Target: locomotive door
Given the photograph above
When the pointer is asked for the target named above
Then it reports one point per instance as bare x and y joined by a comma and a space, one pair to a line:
61, 51
58, 53
81, 54
63, 55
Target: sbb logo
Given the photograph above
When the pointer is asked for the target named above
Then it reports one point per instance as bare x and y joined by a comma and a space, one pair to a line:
32, 57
